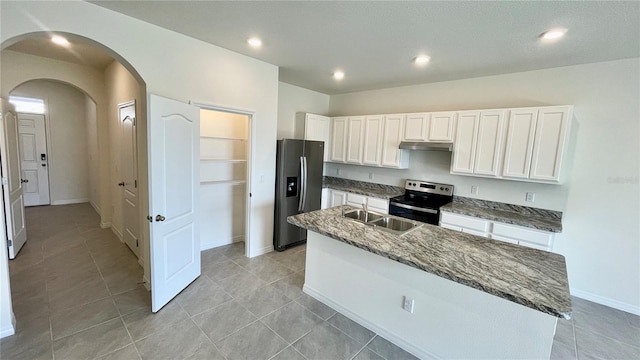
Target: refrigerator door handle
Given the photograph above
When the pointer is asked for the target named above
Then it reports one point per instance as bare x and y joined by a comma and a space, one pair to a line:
303, 175
305, 179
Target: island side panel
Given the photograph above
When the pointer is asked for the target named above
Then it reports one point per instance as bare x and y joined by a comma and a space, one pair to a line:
450, 320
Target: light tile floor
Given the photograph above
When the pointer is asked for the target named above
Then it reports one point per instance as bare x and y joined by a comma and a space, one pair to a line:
76, 295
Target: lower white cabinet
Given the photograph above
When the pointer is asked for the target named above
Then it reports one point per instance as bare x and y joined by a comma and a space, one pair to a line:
338, 197
324, 198
514, 234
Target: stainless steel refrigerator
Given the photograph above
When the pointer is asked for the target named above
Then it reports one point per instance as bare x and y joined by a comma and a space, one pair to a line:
298, 187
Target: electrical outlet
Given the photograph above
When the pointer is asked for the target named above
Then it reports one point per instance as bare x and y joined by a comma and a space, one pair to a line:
370, 176
530, 197
408, 304
474, 189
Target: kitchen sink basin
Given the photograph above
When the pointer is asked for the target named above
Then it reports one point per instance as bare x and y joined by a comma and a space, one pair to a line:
395, 224
392, 224
361, 215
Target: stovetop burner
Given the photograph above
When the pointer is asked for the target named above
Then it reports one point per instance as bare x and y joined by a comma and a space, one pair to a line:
421, 201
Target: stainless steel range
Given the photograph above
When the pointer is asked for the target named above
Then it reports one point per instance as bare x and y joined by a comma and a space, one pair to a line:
421, 201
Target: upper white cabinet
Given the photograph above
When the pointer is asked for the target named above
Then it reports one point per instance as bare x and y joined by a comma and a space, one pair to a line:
549, 143
373, 127
338, 142
535, 143
315, 127
464, 148
392, 156
355, 139
416, 127
519, 145
489, 143
441, 126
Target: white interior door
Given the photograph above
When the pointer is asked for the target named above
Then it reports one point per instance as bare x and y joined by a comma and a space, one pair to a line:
129, 183
32, 143
174, 177
12, 184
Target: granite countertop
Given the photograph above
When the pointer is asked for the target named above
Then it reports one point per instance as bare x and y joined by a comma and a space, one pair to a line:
362, 188
540, 219
533, 278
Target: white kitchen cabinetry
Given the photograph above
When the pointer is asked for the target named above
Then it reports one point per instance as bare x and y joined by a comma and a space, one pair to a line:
373, 127
416, 127
496, 230
338, 143
324, 198
355, 139
356, 199
378, 205
441, 126
519, 145
549, 143
392, 155
337, 197
314, 127
478, 145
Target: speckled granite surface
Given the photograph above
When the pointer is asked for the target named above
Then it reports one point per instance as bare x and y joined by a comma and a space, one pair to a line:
541, 219
362, 188
533, 278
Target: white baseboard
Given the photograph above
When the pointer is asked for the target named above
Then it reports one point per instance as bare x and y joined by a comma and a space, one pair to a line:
264, 250
117, 232
10, 329
206, 245
69, 201
633, 309
364, 322
141, 262
95, 207
105, 225
147, 283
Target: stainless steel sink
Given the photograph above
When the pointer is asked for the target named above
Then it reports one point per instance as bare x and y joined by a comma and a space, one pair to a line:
395, 224
361, 215
392, 224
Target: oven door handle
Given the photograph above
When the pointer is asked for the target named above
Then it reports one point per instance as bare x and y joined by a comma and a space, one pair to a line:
430, 211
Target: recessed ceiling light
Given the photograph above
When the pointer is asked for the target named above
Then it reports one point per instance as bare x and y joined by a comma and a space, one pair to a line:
338, 75
421, 59
57, 39
254, 42
553, 34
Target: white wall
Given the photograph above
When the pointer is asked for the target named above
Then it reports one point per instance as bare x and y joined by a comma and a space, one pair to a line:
293, 99
91, 116
600, 198
178, 67
120, 86
7, 320
66, 139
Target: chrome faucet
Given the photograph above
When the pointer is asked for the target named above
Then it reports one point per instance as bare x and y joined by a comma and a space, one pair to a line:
366, 213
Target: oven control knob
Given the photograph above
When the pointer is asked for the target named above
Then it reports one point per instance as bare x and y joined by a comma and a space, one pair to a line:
447, 189
441, 188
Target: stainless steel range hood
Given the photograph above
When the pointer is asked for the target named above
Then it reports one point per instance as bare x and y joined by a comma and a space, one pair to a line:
425, 145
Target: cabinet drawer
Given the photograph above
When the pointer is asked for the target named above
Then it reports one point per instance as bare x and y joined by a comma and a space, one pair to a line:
465, 222
523, 234
474, 232
535, 246
450, 227
504, 239
356, 199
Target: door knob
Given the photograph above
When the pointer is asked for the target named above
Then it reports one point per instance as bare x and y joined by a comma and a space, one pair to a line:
121, 183
160, 218
24, 180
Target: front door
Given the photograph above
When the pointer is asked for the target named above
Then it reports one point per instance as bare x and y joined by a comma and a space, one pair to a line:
32, 143
174, 178
12, 184
129, 183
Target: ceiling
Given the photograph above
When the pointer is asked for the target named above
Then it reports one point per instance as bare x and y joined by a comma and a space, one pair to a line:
374, 42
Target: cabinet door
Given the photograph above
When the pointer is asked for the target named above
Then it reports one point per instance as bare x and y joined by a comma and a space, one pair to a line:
464, 148
416, 126
337, 197
521, 128
489, 145
372, 140
549, 143
355, 139
356, 199
441, 126
377, 204
324, 199
338, 139
392, 156
318, 128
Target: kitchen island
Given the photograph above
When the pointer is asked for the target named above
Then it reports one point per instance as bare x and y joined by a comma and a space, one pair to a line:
474, 297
